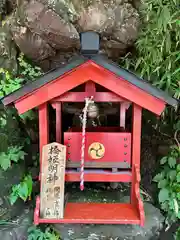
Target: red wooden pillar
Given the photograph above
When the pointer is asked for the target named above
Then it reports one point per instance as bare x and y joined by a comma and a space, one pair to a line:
43, 128
136, 148
58, 108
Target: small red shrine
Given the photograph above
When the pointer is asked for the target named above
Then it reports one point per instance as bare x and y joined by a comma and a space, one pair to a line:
111, 154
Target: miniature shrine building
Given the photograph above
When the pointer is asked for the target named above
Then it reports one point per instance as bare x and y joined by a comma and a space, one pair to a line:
79, 79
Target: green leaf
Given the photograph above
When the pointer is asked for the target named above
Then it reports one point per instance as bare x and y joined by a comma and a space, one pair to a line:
5, 162
164, 206
13, 198
158, 177
41, 237
23, 191
29, 183
15, 154
138, 63
163, 160
172, 174
22, 154
178, 177
163, 195
172, 162
176, 206
178, 195
162, 183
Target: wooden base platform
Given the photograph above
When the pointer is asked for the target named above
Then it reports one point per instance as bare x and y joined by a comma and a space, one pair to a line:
98, 213
101, 213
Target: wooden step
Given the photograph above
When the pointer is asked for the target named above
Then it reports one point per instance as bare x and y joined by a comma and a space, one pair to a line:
99, 176
98, 213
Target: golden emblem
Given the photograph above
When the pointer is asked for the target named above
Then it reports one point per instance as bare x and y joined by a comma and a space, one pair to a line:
96, 150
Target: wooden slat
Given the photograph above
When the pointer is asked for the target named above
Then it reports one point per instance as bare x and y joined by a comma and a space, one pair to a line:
80, 96
92, 164
99, 176
52, 181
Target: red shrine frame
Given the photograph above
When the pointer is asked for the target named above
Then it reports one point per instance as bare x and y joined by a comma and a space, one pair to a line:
57, 92
120, 90
115, 213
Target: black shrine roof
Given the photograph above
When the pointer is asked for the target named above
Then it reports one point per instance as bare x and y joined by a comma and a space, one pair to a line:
99, 60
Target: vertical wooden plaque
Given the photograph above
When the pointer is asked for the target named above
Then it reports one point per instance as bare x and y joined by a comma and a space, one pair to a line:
52, 181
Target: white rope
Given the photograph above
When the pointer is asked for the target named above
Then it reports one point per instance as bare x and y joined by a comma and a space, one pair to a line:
84, 122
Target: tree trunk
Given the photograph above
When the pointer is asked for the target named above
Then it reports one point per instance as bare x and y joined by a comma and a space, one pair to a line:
47, 31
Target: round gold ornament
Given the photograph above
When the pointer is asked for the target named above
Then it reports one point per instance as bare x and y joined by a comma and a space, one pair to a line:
96, 150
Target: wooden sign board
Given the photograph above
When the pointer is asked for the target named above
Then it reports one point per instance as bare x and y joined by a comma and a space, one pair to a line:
52, 181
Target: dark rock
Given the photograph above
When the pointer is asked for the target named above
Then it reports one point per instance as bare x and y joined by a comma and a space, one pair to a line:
2, 8
50, 26
8, 52
11, 5
17, 229
163, 150
59, 60
149, 163
168, 234
65, 9
7, 179
31, 44
126, 24
153, 225
96, 17
48, 30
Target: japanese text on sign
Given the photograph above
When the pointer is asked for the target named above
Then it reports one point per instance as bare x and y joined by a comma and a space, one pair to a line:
52, 180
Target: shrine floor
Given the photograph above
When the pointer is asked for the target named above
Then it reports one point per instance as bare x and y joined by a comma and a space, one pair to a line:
95, 192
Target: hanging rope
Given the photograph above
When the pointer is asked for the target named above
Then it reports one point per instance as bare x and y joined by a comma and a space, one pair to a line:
84, 122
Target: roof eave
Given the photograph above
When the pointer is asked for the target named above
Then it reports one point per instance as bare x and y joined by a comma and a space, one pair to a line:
133, 79
46, 78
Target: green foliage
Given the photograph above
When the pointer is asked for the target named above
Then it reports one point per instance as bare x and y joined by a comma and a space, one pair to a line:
168, 181
14, 154
8, 83
3, 120
37, 234
28, 115
28, 71
22, 190
177, 236
158, 46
